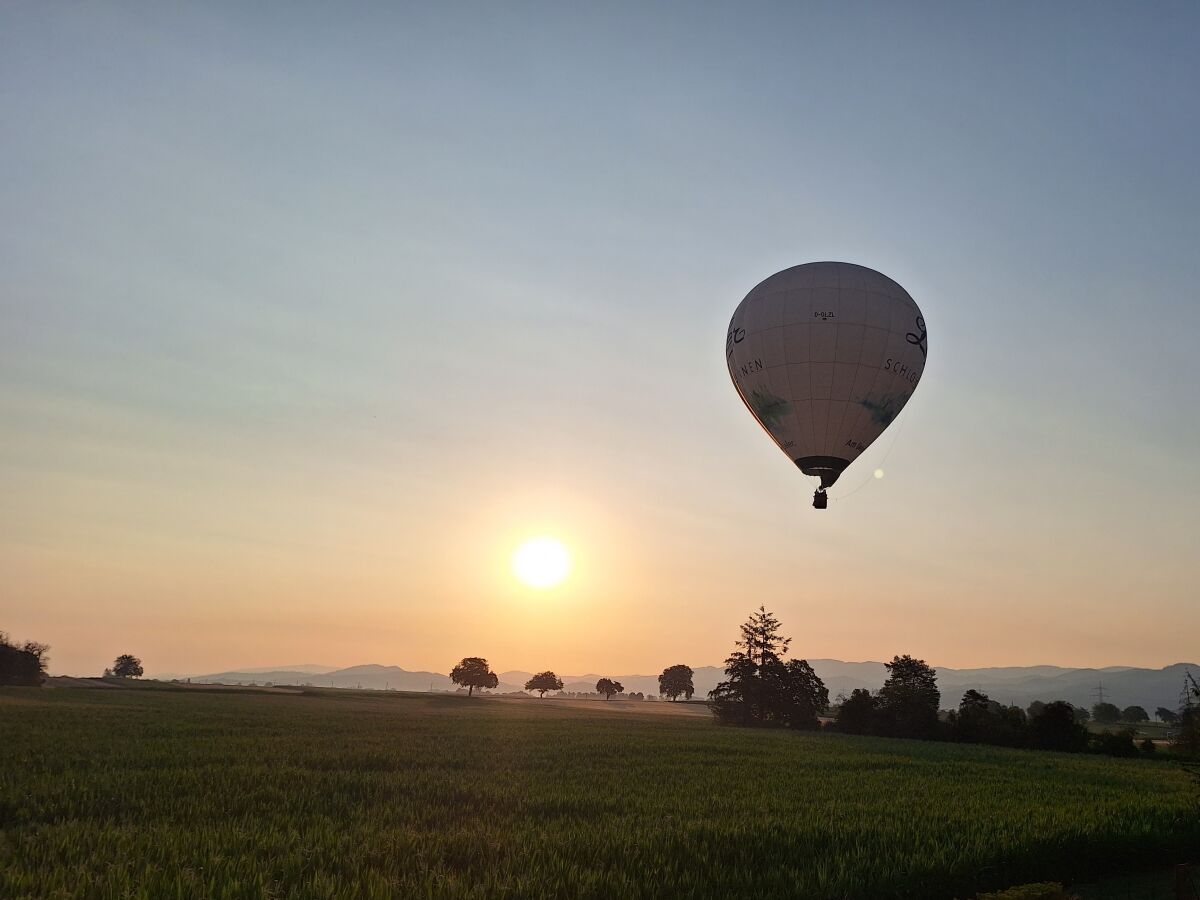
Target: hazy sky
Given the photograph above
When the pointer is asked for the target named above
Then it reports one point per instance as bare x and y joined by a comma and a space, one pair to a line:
309, 313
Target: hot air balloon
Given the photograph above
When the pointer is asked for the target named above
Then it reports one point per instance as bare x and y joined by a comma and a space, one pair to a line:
825, 355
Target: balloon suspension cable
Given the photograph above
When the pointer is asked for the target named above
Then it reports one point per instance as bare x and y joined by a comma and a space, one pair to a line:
871, 477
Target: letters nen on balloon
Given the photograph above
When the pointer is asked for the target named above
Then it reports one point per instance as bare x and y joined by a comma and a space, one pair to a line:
825, 355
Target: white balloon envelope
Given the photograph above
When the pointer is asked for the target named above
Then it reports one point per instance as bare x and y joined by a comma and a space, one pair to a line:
825, 355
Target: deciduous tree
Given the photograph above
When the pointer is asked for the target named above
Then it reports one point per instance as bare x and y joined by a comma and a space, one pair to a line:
857, 714
803, 694
1106, 713
676, 680
127, 666
22, 665
608, 687
1134, 714
1166, 716
474, 672
1055, 728
982, 720
544, 681
909, 698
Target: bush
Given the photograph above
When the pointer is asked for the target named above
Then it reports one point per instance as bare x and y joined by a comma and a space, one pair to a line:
22, 665
1118, 743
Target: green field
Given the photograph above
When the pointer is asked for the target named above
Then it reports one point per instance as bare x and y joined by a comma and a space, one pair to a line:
159, 794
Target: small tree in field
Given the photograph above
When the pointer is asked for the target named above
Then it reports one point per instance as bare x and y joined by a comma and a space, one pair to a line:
676, 680
1166, 716
473, 672
608, 687
127, 666
544, 681
1106, 713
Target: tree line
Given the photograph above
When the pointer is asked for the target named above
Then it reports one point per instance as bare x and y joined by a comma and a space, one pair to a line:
25, 664
475, 672
764, 689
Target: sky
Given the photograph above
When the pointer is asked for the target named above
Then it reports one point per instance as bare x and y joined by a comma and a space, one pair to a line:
311, 313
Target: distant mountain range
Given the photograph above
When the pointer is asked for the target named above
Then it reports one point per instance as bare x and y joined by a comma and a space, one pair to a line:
1020, 685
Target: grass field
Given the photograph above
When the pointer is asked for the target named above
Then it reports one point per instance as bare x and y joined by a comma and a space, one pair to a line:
162, 794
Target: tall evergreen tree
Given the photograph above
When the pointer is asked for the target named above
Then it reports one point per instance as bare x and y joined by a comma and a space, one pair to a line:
761, 689
760, 640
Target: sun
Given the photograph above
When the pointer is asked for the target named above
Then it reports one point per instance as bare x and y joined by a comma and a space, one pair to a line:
542, 563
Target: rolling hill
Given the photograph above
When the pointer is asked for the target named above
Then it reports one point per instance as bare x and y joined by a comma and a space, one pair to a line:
1020, 685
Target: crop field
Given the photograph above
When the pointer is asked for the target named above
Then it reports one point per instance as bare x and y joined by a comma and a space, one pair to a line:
165, 794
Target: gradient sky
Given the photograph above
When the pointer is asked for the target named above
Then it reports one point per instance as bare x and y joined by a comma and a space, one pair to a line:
309, 313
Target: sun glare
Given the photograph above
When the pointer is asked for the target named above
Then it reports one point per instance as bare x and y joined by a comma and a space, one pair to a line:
542, 563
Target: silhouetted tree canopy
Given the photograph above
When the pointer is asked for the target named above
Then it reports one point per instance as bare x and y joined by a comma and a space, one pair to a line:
1055, 728
676, 680
1106, 713
857, 714
761, 688
544, 681
909, 698
980, 720
1081, 714
474, 672
1117, 743
804, 694
1187, 737
608, 687
127, 666
1166, 716
24, 664
1134, 714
